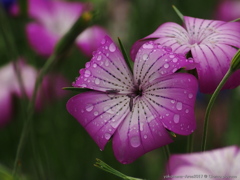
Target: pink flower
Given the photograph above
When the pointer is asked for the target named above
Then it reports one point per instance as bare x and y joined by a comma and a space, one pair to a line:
51, 87
135, 110
53, 19
228, 10
211, 43
215, 164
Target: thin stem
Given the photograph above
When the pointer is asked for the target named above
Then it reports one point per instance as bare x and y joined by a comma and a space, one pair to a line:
166, 151
102, 165
190, 143
62, 47
210, 105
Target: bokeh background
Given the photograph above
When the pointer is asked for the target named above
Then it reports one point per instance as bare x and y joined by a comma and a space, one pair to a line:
57, 147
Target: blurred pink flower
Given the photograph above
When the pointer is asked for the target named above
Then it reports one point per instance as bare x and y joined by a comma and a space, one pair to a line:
228, 10
211, 165
135, 109
51, 87
211, 43
52, 19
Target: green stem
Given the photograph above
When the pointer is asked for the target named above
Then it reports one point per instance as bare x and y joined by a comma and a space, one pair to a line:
167, 152
102, 165
62, 47
190, 143
210, 105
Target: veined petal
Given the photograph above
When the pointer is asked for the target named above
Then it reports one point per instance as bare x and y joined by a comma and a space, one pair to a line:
107, 70
100, 114
40, 39
214, 61
220, 162
211, 31
154, 61
173, 98
168, 34
140, 132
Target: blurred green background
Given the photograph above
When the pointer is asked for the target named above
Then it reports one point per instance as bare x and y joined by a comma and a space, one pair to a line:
57, 147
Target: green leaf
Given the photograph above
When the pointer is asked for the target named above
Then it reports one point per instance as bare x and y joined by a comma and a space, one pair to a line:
178, 13
128, 61
76, 89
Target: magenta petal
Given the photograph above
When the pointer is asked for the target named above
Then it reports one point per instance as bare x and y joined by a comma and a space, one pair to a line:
90, 39
213, 62
100, 114
140, 132
220, 162
6, 109
154, 61
173, 97
168, 34
40, 39
106, 71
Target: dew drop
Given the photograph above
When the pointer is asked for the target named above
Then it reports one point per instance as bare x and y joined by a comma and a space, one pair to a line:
107, 136
88, 64
112, 47
103, 41
179, 106
172, 101
107, 62
190, 95
172, 56
166, 65
167, 49
106, 47
187, 110
99, 57
176, 118
175, 60
97, 81
89, 107
94, 65
135, 141
95, 113
145, 56
147, 46
145, 136
87, 73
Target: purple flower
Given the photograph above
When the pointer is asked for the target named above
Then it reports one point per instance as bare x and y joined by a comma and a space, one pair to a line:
215, 164
51, 88
135, 110
228, 10
53, 20
212, 44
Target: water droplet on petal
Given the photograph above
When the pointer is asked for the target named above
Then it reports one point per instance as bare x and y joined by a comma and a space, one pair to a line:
107, 136
145, 56
88, 64
95, 113
172, 56
190, 95
167, 49
166, 65
175, 60
89, 107
187, 110
147, 46
179, 106
87, 73
97, 81
112, 47
135, 141
99, 57
107, 62
103, 41
176, 118
145, 136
